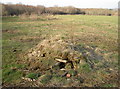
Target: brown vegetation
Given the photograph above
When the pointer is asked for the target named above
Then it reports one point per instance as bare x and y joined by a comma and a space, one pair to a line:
19, 9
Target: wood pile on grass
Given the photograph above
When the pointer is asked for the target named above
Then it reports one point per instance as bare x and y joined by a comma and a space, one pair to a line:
58, 61
55, 50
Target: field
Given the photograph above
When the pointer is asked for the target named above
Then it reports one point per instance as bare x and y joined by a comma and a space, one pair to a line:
95, 32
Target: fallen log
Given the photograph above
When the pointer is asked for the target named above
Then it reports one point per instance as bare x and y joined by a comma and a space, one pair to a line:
60, 60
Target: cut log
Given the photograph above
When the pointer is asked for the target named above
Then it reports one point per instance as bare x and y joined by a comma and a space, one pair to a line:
60, 60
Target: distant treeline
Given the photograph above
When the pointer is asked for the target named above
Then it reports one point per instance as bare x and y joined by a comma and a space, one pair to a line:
19, 9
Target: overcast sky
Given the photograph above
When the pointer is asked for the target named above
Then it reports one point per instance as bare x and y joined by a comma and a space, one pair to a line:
75, 3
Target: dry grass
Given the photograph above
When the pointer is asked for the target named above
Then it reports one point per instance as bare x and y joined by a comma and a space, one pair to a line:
23, 16
29, 17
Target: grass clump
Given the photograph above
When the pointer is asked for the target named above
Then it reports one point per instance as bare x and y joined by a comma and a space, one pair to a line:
10, 75
57, 80
108, 85
73, 72
33, 75
84, 68
45, 79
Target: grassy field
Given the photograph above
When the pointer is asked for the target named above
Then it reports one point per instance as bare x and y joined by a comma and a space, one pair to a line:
20, 35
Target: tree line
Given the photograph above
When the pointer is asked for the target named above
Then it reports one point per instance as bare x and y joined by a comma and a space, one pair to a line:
19, 9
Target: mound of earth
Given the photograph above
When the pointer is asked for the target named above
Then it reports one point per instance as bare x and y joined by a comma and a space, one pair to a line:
53, 51
56, 59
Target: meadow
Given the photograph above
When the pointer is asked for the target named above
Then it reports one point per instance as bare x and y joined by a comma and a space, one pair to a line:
21, 34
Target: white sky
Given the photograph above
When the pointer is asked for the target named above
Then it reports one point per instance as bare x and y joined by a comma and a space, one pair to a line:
75, 3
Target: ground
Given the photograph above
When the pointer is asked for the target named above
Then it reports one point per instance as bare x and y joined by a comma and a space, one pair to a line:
21, 35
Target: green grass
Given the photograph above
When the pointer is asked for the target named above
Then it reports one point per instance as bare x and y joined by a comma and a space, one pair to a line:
33, 75
11, 76
108, 85
46, 79
84, 68
20, 35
